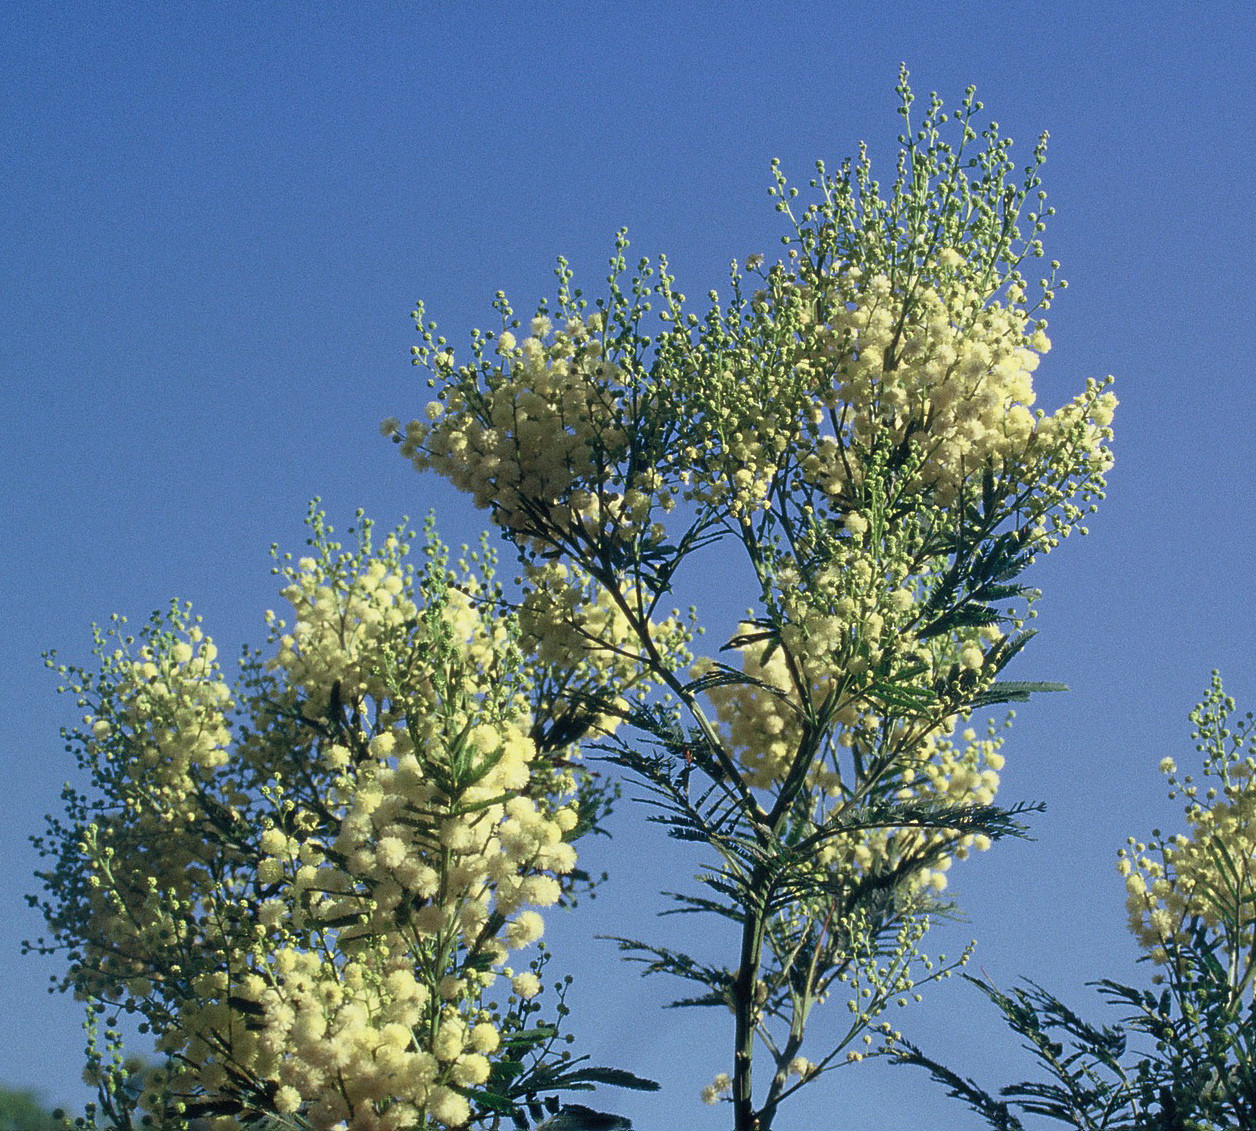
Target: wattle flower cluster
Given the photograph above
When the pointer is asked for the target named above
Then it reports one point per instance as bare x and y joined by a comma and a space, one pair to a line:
163, 714
1207, 874
836, 376
342, 624
761, 721
531, 437
959, 773
172, 705
944, 369
573, 625
336, 1041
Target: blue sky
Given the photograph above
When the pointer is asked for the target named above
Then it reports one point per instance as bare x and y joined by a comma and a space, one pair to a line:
216, 220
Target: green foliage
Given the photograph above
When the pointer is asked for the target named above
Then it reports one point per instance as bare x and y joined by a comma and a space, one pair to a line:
21, 1110
1181, 1059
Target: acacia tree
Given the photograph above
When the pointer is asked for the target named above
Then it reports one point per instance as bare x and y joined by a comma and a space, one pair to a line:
309, 887
856, 422
1182, 1057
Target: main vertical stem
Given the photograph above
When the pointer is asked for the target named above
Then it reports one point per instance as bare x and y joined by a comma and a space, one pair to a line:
744, 992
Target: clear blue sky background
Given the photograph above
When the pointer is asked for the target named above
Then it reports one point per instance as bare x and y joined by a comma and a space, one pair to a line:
216, 218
